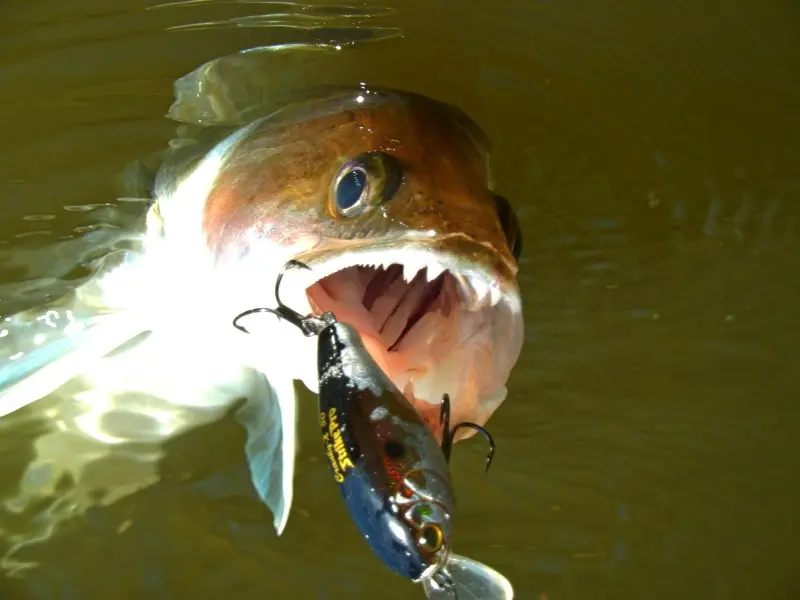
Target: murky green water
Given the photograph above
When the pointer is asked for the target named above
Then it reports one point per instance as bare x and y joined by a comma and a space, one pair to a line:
650, 444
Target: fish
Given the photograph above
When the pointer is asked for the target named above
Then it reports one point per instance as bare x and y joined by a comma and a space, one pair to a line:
392, 474
386, 194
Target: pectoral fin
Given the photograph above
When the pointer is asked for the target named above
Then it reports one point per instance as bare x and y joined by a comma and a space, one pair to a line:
269, 418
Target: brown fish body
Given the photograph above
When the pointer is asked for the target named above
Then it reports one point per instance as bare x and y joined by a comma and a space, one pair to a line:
423, 264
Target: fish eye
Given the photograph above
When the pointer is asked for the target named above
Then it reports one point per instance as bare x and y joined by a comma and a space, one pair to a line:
432, 538
350, 188
364, 182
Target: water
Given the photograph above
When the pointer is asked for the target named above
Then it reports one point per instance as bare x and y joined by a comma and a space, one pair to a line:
650, 442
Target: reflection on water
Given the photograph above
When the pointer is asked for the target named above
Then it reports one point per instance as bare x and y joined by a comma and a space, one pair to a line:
648, 447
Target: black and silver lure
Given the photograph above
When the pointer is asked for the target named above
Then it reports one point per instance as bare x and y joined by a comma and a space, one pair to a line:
393, 475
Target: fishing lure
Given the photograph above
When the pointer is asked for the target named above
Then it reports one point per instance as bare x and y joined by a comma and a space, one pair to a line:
392, 474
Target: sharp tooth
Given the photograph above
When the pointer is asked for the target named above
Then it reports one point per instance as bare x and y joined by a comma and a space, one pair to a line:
465, 290
434, 270
495, 295
410, 271
481, 289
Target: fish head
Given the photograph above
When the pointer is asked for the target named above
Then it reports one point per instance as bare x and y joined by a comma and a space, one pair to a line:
387, 197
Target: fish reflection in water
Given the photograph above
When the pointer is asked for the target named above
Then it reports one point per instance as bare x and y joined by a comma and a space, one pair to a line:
421, 260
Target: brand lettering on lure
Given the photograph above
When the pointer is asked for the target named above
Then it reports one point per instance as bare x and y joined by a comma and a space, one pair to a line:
335, 448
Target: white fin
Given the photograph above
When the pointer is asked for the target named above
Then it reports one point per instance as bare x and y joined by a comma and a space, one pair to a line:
473, 581
38, 354
44, 347
270, 420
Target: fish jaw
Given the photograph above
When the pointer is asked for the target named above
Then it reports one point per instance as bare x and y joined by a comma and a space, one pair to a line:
439, 315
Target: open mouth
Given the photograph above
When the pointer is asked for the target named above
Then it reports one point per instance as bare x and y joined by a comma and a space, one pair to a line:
431, 329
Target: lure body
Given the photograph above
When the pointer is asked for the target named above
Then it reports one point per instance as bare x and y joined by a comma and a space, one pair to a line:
391, 472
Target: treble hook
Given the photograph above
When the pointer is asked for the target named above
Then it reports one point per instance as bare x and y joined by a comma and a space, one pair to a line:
310, 325
448, 435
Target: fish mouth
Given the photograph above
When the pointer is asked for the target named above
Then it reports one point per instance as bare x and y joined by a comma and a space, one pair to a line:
436, 317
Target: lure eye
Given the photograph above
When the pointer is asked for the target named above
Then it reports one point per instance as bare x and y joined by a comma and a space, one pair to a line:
432, 538
364, 182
